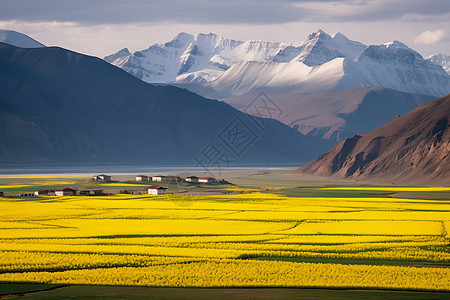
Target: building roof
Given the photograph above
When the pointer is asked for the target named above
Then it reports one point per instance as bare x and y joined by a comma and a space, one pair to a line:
68, 190
142, 176
156, 187
206, 178
104, 175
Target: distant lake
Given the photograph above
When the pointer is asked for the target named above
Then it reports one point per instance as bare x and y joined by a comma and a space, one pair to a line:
88, 170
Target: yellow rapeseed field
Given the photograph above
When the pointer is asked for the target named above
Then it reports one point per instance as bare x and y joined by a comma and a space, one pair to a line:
254, 240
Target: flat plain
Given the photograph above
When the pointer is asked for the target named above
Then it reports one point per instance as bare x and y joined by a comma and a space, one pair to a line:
320, 237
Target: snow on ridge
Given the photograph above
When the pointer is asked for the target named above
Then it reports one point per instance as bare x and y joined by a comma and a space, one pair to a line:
210, 60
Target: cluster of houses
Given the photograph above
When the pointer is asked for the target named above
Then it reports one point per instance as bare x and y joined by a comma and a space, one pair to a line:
161, 178
159, 190
66, 192
152, 190
63, 192
101, 178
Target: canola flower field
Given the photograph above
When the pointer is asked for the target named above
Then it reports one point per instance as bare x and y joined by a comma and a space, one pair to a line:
239, 240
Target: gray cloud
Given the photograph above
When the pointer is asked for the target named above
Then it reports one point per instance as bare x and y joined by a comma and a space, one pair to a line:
119, 11
383, 10
218, 12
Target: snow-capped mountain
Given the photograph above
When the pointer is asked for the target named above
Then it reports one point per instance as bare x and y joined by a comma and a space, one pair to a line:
395, 66
18, 39
392, 65
320, 48
218, 67
442, 60
192, 58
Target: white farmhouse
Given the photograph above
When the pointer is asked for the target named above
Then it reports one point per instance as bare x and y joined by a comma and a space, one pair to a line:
166, 178
158, 178
206, 179
66, 192
143, 178
191, 179
157, 190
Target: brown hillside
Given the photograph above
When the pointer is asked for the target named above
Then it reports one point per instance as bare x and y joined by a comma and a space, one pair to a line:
413, 148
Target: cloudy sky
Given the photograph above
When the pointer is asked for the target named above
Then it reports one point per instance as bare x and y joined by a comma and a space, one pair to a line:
101, 27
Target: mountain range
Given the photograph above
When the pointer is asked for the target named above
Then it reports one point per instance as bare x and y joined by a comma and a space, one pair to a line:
414, 148
60, 106
321, 86
221, 68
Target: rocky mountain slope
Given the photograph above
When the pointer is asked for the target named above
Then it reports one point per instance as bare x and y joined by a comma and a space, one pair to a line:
64, 107
414, 148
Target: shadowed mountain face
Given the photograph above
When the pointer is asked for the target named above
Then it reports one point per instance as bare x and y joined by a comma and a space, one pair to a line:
64, 107
339, 114
413, 148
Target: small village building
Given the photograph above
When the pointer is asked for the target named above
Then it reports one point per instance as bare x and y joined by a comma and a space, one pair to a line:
158, 178
42, 193
85, 193
102, 177
206, 179
143, 178
26, 194
97, 192
66, 192
157, 190
1, 193
191, 179
173, 179
162, 178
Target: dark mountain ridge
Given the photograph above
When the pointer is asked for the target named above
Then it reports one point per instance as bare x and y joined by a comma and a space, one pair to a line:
60, 106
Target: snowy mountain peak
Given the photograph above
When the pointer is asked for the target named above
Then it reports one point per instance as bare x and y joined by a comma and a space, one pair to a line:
184, 37
394, 52
210, 36
318, 34
339, 35
441, 60
121, 54
397, 44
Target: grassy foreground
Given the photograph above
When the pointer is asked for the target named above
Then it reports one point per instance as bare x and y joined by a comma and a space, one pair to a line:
300, 237
33, 291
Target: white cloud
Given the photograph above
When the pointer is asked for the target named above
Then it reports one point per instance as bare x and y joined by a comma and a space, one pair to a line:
430, 37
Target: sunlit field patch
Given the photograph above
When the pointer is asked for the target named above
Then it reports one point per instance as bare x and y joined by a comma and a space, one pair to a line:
391, 189
369, 228
11, 186
53, 182
255, 239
